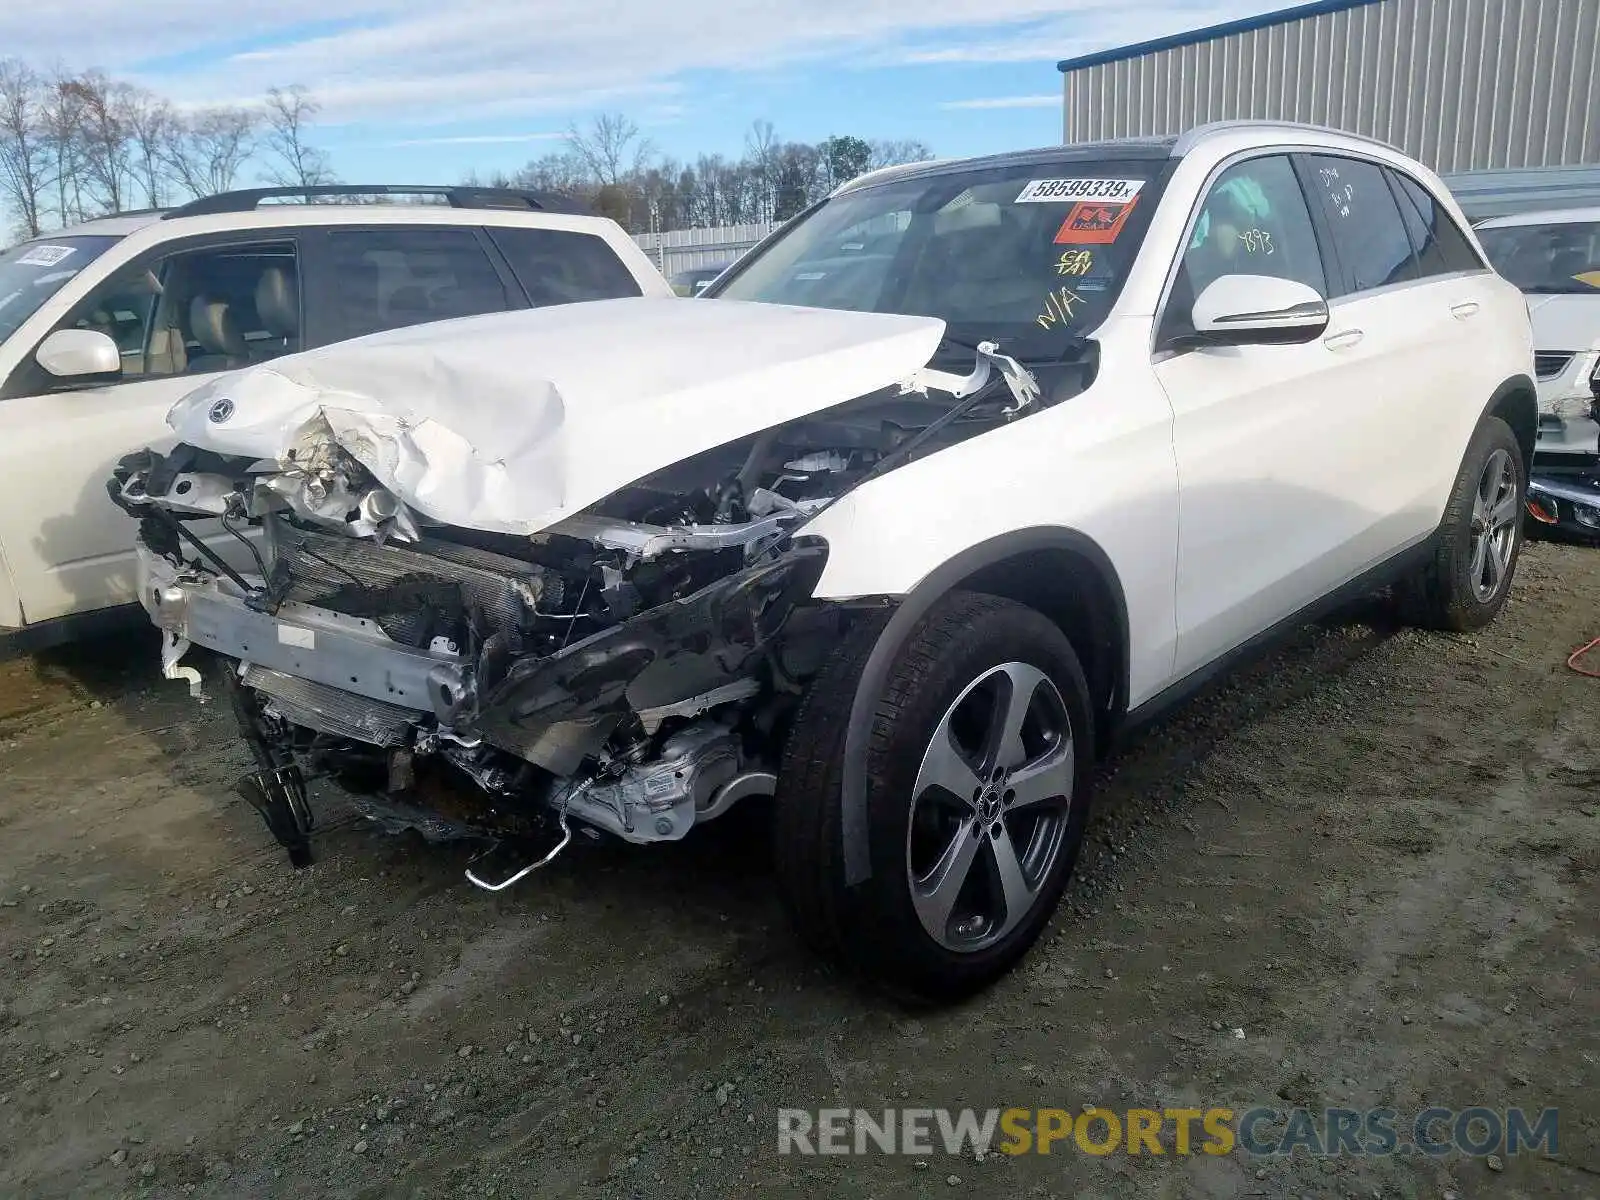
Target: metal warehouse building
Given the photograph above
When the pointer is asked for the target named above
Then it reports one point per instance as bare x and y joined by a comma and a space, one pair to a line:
1463, 85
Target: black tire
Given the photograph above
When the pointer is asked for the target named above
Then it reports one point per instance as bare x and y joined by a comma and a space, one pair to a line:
874, 928
1443, 594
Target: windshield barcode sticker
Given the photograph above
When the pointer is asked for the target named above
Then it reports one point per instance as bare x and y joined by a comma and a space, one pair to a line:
1056, 191
45, 256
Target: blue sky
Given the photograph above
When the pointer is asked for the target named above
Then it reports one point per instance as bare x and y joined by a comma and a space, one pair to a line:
426, 90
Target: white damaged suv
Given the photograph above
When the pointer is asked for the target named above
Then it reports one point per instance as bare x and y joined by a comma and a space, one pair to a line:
967, 469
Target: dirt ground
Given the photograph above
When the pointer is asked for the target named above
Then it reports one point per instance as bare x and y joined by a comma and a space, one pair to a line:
1375, 853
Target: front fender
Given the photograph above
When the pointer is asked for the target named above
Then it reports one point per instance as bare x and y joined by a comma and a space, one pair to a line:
909, 610
1094, 475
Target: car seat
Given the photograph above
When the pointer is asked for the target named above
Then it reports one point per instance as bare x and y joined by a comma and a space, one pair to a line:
278, 307
408, 305
212, 324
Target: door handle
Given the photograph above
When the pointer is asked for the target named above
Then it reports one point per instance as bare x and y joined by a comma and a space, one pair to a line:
1344, 338
1464, 310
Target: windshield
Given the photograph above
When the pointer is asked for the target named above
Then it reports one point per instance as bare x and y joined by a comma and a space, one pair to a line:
34, 271
1028, 255
1562, 258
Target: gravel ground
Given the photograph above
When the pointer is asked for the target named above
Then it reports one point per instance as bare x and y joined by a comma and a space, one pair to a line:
1374, 853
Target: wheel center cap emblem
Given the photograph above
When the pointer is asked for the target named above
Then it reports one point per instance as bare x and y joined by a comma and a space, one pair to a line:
220, 411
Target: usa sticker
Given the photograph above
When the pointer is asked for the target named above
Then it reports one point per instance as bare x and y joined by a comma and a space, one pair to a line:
1093, 224
1057, 191
45, 256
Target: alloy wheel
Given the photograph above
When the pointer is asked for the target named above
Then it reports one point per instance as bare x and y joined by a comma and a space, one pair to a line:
1496, 521
989, 808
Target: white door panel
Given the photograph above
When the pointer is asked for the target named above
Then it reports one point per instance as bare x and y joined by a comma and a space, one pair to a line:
69, 547
1266, 494
1398, 383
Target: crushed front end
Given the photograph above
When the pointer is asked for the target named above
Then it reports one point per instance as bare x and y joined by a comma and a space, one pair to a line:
622, 672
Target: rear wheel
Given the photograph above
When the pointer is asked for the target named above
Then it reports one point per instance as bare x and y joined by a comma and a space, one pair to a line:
978, 772
1465, 584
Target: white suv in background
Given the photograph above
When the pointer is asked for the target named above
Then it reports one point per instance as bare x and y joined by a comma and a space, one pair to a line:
104, 325
1554, 257
966, 470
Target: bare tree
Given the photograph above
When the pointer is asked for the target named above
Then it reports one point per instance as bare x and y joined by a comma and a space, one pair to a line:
893, 153
762, 151
151, 126
610, 148
209, 148
63, 131
496, 179
288, 112
104, 137
562, 173
24, 150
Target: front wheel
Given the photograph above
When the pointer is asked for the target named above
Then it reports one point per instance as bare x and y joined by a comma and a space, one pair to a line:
1465, 584
978, 774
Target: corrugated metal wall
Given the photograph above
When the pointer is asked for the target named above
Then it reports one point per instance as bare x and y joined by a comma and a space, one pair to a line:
1460, 84
1499, 192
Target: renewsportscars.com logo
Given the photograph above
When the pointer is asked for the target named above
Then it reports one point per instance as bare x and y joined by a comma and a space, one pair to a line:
1260, 1132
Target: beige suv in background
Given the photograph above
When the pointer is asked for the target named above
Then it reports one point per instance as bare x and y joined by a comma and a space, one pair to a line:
105, 325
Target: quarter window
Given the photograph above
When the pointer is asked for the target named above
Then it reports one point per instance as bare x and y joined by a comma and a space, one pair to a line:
1369, 237
1437, 240
388, 279
555, 266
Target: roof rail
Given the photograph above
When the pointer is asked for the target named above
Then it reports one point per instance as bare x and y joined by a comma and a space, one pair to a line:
127, 212
462, 196
1192, 137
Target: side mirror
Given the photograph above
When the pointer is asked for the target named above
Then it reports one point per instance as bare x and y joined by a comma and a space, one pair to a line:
80, 354
1258, 310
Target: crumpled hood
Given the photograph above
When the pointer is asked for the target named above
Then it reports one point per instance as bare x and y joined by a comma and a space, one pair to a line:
1565, 322
510, 423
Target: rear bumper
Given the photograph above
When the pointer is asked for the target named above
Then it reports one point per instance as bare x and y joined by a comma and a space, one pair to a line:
349, 654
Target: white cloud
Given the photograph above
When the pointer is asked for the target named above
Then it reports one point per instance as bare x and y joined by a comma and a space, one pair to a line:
419, 61
1051, 100
481, 139
1093, 27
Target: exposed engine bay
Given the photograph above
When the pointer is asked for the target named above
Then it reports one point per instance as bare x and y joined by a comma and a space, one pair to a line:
631, 670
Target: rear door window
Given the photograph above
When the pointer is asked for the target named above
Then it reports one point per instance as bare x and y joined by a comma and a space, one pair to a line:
557, 266
392, 278
1440, 246
1369, 236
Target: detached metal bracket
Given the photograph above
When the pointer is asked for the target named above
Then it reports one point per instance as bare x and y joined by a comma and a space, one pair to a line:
173, 648
1024, 387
